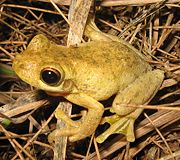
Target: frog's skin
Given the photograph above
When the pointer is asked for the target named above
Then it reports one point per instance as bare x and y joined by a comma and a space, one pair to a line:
92, 72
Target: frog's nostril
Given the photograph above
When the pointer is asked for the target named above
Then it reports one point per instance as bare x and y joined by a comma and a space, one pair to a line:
22, 66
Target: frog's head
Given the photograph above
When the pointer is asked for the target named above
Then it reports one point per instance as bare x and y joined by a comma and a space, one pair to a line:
39, 67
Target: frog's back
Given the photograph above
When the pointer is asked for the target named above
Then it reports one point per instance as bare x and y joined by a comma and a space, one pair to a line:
111, 54
101, 69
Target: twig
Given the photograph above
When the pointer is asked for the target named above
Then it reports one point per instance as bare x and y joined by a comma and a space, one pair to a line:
108, 3
159, 119
160, 107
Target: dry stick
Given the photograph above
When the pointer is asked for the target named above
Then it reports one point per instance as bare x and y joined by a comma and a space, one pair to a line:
169, 157
110, 25
171, 93
155, 31
97, 149
6, 53
61, 142
126, 155
74, 29
135, 32
170, 55
36, 135
14, 143
27, 22
25, 138
33, 14
159, 119
173, 42
77, 156
31, 8
165, 33
31, 23
78, 14
16, 30
159, 107
25, 108
151, 11
108, 3
157, 130
13, 42
89, 147
159, 145
135, 150
61, 13
132, 2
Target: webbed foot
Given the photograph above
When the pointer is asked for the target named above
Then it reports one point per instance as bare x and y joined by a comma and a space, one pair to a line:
120, 125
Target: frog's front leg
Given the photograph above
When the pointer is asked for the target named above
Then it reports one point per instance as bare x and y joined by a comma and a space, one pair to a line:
141, 91
78, 131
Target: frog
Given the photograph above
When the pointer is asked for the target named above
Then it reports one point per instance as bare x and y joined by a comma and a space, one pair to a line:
88, 73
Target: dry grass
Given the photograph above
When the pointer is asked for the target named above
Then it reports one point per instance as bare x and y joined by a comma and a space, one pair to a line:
151, 28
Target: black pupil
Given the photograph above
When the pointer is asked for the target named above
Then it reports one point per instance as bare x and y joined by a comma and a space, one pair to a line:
50, 76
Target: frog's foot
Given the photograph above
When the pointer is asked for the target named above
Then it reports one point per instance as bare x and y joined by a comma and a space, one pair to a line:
73, 133
121, 125
74, 129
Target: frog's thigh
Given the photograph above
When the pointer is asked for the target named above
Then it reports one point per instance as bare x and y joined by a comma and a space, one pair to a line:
139, 92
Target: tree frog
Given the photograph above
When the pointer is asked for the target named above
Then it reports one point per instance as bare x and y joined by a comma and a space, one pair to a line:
87, 74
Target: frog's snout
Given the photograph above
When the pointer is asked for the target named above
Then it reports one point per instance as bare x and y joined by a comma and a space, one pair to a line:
17, 64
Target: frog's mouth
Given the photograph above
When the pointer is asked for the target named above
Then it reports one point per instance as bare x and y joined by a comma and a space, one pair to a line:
65, 89
56, 94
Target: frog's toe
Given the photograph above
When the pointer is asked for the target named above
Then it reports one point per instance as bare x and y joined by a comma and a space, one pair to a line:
77, 137
59, 114
123, 125
51, 136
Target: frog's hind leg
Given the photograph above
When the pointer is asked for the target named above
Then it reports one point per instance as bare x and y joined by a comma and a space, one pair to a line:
140, 91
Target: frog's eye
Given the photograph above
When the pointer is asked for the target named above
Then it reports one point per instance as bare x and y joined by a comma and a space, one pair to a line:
50, 76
